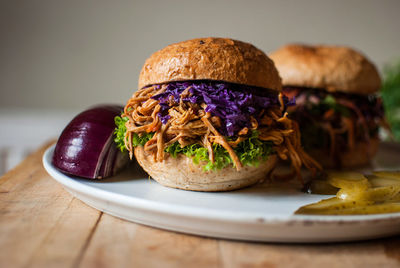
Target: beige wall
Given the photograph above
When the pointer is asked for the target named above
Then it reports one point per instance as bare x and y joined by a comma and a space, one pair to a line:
72, 54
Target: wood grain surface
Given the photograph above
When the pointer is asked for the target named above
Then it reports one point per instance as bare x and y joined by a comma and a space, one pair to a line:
42, 225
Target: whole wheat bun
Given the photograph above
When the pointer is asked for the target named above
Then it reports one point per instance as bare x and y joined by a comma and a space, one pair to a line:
219, 59
361, 155
333, 68
182, 173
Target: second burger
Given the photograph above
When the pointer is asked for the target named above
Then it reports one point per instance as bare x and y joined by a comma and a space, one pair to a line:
337, 107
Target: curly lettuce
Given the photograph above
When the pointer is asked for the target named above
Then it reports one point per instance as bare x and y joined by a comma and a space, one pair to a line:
329, 102
120, 131
391, 97
251, 151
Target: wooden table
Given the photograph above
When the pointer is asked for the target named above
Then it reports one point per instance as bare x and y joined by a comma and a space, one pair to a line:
42, 225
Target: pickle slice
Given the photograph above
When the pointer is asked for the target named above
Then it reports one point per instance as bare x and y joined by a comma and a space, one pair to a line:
332, 204
359, 210
386, 207
388, 174
382, 181
356, 194
348, 180
376, 194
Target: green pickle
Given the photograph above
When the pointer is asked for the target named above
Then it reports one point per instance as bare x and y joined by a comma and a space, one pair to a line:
376, 194
348, 180
356, 194
382, 181
387, 207
330, 206
348, 208
387, 174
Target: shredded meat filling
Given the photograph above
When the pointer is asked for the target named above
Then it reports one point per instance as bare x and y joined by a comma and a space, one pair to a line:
188, 123
363, 119
360, 123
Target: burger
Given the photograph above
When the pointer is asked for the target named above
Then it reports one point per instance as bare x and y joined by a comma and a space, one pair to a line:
337, 106
209, 115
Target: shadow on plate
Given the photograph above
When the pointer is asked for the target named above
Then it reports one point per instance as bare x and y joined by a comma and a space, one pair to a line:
132, 172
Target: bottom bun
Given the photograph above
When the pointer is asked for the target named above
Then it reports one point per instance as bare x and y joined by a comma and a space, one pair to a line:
361, 155
182, 173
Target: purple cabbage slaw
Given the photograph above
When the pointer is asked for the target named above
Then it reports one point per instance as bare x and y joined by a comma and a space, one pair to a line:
232, 103
370, 106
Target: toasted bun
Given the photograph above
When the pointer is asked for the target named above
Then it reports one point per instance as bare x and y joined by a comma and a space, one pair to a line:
332, 68
361, 155
219, 59
182, 173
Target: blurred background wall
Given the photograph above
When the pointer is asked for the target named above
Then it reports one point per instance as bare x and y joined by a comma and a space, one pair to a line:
72, 54
59, 57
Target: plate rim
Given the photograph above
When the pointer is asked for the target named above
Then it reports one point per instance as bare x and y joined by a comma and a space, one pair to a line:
212, 215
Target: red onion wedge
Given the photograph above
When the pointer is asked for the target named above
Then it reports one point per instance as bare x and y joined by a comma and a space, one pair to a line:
86, 146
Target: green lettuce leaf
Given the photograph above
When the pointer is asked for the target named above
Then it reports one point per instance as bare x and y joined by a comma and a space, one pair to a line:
391, 97
250, 152
330, 102
120, 131
327, 103
141, 140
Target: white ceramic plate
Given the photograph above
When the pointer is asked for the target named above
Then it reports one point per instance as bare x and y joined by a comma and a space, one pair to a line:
257, 213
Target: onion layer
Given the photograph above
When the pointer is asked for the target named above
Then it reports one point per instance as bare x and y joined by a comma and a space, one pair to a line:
86, 146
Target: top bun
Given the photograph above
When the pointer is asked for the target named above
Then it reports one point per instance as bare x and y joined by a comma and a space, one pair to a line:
333, 68
219, 59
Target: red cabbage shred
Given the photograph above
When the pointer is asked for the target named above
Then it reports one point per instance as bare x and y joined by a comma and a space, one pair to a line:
232, 103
